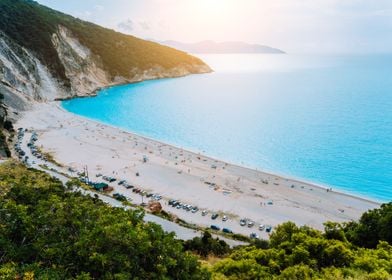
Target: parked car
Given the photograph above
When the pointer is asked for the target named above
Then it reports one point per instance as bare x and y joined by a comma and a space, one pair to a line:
195, 209
226, 230
175, 203
224, 218
251, 224
242, 222
204, 212
119, 197
214, 227
254, 235
261, 227
214, 216
268, 229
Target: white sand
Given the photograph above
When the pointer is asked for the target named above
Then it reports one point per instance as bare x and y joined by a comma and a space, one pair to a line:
179, 174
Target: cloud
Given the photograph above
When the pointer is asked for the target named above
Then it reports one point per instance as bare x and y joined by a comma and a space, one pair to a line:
145, 25
99, 8
127, 25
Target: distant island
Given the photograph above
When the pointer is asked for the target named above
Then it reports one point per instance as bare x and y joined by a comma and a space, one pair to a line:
221, 47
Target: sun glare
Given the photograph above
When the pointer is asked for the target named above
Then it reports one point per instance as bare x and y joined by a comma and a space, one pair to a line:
214, 10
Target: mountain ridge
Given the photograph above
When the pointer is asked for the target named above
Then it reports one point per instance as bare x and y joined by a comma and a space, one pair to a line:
209, 46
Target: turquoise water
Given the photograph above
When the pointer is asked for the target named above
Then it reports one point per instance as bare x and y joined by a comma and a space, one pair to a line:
326, 119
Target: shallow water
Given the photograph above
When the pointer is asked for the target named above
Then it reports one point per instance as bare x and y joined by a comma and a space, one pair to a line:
326, 119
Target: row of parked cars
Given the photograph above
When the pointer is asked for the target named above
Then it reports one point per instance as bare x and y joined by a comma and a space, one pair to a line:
17, 147
152, 196
253, 235
187, 207
128, 186
179, 205
33, 148
225, 230
30, 144
250, 224
108, 178
216, 215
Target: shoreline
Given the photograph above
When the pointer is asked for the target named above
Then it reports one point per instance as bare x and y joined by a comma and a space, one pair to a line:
123, 83
177, 173
321, 186
335, 189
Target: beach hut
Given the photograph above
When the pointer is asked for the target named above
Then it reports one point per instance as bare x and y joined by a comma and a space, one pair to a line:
100, 186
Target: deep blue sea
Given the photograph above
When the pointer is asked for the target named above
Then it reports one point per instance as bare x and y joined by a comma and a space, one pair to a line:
325, 119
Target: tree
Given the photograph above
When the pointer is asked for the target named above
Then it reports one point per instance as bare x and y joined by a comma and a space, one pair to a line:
335, 231
373, 226
54, 234
207, 245
283, 233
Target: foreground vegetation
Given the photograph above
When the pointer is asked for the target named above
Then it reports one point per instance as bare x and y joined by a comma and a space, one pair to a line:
305, 253
53, 234
47, 232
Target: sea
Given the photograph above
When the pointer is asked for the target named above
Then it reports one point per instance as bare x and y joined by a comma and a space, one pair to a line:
325, 119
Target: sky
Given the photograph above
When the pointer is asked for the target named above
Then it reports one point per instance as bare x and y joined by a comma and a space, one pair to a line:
296, 26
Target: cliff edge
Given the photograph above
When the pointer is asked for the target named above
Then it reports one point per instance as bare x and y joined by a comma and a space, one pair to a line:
46, 55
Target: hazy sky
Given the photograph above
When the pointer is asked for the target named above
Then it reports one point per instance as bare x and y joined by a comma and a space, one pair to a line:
292, 25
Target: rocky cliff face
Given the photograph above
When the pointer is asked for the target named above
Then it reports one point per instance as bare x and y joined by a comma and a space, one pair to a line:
24, 79
81, 67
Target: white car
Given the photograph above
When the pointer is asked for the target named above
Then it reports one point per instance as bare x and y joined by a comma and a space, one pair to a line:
224, 218
261, 227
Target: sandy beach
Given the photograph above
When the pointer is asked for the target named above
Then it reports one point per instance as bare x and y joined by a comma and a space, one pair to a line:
193, 178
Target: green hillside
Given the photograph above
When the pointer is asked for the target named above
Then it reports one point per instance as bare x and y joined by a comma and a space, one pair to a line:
32, 26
